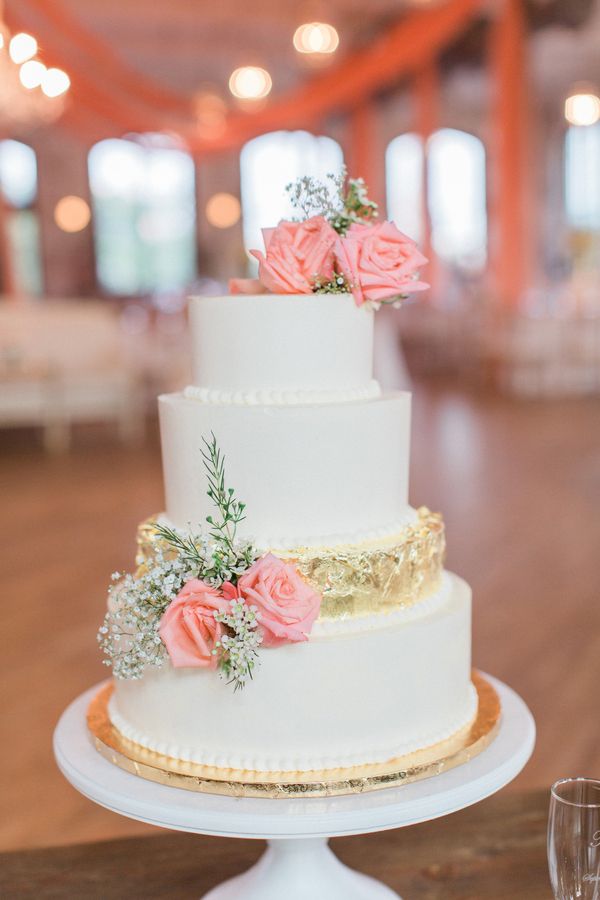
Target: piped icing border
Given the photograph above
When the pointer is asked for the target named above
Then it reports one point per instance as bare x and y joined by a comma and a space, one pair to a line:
459, 748
384, 534
287, 397
368, 751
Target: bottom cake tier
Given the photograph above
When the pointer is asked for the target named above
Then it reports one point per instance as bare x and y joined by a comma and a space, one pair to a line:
360, 691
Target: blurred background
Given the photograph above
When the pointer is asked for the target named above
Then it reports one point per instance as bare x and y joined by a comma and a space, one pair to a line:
142, 148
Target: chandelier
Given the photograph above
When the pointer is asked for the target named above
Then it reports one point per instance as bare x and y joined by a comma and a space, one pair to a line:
30, 92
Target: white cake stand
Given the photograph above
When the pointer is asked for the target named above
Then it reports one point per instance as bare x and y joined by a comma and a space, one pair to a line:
298, 864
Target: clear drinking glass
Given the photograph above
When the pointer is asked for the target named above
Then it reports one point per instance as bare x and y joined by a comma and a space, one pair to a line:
574, 839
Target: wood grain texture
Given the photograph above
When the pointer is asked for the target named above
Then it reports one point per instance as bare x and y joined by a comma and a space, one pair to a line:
519, 486
492, 851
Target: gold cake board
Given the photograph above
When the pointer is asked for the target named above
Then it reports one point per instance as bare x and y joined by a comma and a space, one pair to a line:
433, 760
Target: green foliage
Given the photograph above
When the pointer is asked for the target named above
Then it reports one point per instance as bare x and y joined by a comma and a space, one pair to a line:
129, 635
231, 510
184, 545
336, 285
356, 205
220, 557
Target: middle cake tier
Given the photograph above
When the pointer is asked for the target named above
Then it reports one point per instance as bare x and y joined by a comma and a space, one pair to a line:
309, 475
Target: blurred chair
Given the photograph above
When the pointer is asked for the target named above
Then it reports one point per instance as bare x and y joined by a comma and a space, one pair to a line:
65, 362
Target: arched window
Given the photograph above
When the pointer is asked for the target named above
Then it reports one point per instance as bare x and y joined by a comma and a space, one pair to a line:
143, 195
18, 183
457, 197
456, 187
268, 163
404, 184
582, 177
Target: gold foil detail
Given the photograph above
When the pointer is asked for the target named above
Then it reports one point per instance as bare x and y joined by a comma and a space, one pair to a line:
361, 579
456, 750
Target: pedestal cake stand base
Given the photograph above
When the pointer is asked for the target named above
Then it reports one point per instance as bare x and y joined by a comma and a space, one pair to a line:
305, 869
298, 864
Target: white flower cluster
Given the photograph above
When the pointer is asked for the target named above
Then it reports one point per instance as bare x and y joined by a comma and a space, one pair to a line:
239, 650
129, 634
225, 562
212, 558
312, 197
342, 201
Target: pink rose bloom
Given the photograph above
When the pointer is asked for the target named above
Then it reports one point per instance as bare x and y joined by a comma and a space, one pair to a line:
246, 286
287, 605
296, 254
188, 627
379, 262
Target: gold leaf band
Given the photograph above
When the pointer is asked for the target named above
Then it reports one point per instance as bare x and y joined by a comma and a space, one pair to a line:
360, 579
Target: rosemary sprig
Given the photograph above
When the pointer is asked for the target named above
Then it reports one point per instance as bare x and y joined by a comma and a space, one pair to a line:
231, 511
185, 546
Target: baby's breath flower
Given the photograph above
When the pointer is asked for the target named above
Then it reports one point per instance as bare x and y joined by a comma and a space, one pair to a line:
342, 201
129, 634
239, 650
336, 285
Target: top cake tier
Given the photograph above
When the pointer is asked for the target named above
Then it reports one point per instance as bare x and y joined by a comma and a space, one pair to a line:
281, 348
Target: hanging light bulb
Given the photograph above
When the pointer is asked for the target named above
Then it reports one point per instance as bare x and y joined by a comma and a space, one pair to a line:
250, 83
223, 210
582, 108
22, 47
55, 82
316, 37
72, 213
31, 73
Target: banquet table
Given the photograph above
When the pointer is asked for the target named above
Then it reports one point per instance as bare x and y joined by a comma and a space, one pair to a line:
491, 851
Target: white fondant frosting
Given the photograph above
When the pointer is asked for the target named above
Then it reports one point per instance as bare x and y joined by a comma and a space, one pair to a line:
340, 699
308, 475
288, 396
320, 458
303, 342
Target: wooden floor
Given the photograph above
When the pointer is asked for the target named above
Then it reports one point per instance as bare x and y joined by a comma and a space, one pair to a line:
518, 482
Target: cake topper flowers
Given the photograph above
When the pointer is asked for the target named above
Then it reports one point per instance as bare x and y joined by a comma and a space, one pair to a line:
336, 246
206, 600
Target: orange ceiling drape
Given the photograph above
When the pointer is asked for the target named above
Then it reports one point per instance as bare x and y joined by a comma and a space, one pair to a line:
397, 53
114, 91
101, 54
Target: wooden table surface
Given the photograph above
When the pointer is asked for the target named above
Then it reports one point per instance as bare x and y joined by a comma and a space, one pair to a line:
492, 851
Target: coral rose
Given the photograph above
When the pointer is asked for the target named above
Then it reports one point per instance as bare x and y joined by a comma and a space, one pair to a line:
286, 604
296, 253
188, 627
246, 286
379, 262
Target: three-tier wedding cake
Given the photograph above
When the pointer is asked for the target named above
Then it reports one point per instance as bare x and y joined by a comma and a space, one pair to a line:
312, 626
